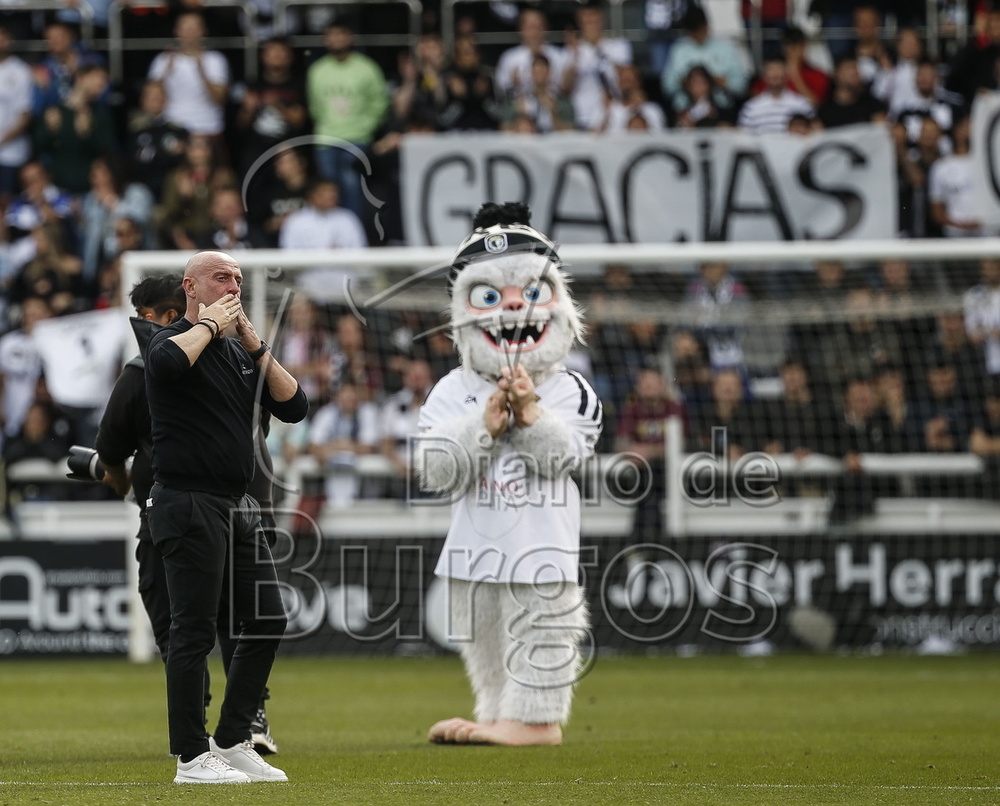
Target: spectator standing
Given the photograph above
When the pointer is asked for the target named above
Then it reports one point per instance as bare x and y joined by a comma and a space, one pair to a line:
591, 59
859, 430
931, 100
951, 188
305, 348
549, 110
20, 366
229, 228
183, 217
798, 421
804, 78
15, 116
129, 237
342, 430
914, 167
897, 298
951, 340
347, 99
353, 361
870, 51
943, 417
70, 136
323, 224
898, 414
985, 441
981, 306
400, 414
724, 426
690, 369
110, 199
514, 71
39, 438
279, 197
629, 103
973, 70
40, 202
55, 77
274, 107
897, 86
642, 432
156, 146
663, 19
723, 61
196, 80
52, 272
850, 100
471, 103
770, 111
716, 306
421, 93
858, 348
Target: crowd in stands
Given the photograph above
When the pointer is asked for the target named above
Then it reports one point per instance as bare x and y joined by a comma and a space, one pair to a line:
187, 156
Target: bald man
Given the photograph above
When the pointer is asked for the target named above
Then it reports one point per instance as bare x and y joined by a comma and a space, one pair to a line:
202, 387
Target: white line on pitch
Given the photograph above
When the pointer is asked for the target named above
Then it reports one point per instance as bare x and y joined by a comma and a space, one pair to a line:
665, 784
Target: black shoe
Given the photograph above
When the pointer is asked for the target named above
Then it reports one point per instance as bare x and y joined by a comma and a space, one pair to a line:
260, 735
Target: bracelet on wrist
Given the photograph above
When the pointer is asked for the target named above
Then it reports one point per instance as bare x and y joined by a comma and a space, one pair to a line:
206, 324
210, 319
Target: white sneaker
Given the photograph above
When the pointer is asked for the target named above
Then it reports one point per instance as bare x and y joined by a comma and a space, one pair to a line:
209, 768
244, 758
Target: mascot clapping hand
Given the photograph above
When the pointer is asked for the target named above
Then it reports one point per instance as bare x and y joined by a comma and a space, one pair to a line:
500, 436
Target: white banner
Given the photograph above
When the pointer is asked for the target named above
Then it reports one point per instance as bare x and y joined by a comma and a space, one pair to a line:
718, 185
985, 147
82, 355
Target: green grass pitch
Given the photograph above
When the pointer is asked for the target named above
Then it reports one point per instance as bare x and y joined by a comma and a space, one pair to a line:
708, 730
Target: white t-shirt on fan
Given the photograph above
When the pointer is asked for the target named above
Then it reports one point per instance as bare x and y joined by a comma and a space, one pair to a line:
189, 103
15, 99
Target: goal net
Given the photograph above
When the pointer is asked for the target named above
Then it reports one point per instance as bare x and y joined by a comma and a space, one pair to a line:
800, 445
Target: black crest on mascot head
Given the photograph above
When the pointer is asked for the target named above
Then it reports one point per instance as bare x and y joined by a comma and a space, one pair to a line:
501, 229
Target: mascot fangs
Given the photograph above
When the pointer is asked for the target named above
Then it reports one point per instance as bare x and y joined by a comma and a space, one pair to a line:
501, 435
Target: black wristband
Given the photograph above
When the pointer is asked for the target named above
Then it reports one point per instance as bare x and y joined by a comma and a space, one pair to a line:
259, 352
205, 319
206, 324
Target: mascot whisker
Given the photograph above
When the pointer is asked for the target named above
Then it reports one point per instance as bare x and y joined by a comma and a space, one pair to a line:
501, 436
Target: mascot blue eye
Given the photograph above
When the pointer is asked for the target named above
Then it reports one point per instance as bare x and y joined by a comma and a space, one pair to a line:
538, 294
484, 296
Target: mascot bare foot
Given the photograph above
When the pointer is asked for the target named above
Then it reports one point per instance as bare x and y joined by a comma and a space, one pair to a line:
501, 436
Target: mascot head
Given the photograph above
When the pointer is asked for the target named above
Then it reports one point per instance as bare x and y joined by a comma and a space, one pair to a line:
510, 302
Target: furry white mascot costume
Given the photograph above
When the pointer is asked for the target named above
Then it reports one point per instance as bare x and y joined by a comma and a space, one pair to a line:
501, 435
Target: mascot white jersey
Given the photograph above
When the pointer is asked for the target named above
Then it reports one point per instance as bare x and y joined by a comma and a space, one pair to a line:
501, 436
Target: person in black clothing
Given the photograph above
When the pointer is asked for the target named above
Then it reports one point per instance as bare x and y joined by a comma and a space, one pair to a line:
850, 101
202, 389
274, 107
859, 430
985, 441
273, 199
125, 432
156, 146
798, 422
